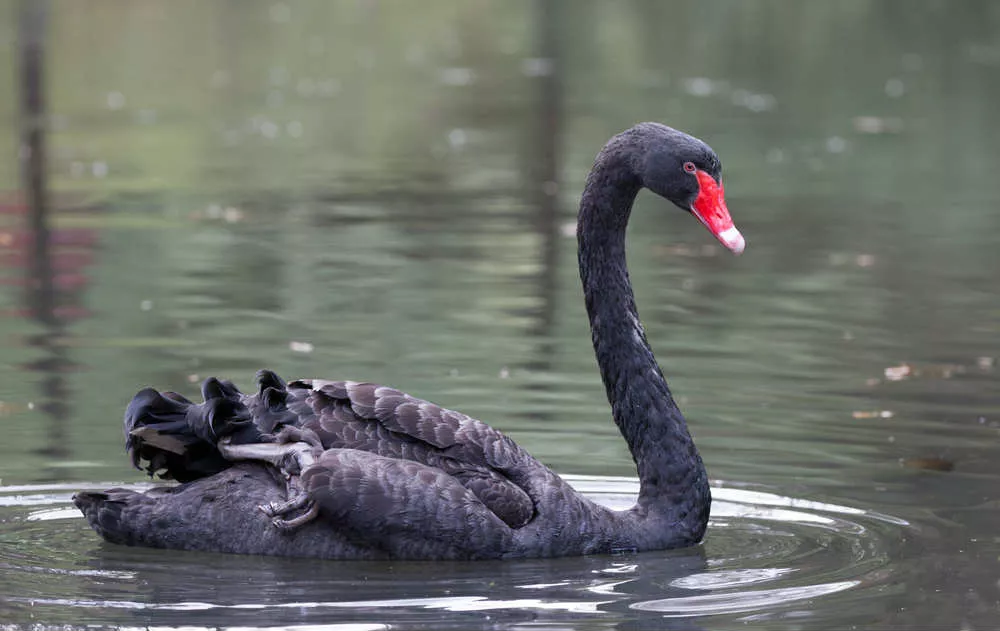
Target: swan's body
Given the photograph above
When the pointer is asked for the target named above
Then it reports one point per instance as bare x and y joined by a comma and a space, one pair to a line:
388, 475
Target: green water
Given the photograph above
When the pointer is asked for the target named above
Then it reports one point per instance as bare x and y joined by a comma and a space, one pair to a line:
383, 191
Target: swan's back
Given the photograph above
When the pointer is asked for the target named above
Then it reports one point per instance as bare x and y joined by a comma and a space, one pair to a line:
178, 437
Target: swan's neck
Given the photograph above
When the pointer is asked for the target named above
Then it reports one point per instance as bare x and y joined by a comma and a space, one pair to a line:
672, 476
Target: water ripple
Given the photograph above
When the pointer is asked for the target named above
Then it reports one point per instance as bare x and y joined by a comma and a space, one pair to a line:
765, 555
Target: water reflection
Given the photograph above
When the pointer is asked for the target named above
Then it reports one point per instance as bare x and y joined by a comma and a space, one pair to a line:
756, 560
39, 247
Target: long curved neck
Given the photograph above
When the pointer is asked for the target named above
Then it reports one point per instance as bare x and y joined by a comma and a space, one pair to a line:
671, 474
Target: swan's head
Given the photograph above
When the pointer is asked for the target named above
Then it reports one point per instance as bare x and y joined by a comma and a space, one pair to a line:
686, 171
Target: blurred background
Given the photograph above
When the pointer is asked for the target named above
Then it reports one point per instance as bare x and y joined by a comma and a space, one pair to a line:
386, 191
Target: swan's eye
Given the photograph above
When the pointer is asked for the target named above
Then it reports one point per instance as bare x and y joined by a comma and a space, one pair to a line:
689, 167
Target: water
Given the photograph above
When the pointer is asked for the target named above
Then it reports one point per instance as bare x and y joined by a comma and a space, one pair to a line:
348, 190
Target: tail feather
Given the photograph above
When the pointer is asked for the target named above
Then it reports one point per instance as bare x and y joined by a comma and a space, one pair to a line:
103, 511
177, 438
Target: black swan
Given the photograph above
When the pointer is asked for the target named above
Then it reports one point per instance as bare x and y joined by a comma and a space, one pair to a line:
345, 470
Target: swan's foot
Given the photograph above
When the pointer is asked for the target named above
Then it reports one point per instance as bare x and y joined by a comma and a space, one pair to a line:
274, 509
277, 510
291, 524
290, 458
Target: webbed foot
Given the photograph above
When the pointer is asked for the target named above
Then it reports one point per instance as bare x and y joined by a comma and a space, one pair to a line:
277, 510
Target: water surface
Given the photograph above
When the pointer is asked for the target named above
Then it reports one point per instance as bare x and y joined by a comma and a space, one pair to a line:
376, 192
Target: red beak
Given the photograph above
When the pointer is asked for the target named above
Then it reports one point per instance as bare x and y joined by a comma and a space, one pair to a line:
710, 208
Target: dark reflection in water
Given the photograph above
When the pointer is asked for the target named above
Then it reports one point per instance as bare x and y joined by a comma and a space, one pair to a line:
769, 558
40, 291
382, 192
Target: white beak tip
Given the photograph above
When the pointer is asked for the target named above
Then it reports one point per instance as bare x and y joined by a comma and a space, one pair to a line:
732, 239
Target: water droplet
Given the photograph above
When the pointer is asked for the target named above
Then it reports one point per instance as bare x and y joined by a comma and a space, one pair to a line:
894, 88
699, 86
275, 98
116, 100
328, 87
457, 138
306, 87
761, 102
877, 125
836, 144
278, 75
457, 76
268, 129
537, 67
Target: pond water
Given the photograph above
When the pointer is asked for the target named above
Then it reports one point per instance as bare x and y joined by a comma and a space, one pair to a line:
386, 192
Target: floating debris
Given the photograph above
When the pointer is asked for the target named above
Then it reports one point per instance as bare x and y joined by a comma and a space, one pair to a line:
865, 260
504, 373
898, 373
877, 125
928, 464
301, 347
873, 414
232, 214
933, 371
986, 363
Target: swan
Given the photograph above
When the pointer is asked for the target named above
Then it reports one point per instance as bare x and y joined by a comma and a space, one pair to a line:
348, 470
